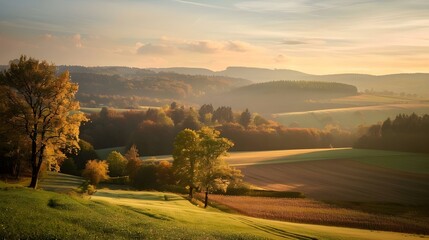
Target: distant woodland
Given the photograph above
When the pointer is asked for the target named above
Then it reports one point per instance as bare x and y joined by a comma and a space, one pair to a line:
404, 133
121, 87
278, 96
153, 131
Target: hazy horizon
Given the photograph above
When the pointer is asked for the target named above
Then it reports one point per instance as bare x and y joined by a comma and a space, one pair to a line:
317, 37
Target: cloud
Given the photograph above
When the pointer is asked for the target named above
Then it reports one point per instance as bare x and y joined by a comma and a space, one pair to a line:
239, 46
77, 39
202, 46
48, 37
154, 49
294, 42
199, 4
169, 46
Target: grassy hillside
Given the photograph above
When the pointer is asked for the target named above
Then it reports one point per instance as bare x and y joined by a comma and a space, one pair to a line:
116, 214
349, 117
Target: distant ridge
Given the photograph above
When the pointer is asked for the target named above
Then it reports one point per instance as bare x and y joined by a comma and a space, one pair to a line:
415, 83
410, 83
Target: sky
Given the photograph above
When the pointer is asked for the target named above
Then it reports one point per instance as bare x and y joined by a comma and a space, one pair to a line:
313, 36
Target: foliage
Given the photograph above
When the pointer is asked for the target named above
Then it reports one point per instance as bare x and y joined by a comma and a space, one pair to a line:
96, 171
153, 175
86, 152
146, 177
38, 106
117, 164
245, 118
133, 161
198, 161
405, 133
186, 145
68, 166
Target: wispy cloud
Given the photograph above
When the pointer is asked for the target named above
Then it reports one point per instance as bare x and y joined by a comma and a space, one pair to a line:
167, 45
199, 4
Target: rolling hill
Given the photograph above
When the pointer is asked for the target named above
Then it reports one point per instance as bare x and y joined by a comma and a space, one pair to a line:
412, 83
121, 214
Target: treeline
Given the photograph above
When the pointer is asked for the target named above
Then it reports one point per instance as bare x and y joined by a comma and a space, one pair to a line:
286, 96
275, 87
404, 133
153, 131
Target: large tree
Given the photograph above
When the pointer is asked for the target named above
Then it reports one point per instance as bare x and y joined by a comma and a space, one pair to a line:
40, 106
198, 162
213, 173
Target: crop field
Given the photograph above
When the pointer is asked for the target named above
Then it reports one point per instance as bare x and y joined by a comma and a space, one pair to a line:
315, 212
349, 117
345, 180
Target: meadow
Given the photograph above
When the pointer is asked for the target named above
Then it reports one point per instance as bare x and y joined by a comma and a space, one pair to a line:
350, 117
119, 214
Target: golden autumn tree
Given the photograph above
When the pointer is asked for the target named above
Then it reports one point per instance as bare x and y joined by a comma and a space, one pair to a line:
40, 106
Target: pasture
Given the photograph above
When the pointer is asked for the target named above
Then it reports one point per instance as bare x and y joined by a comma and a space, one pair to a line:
349, 118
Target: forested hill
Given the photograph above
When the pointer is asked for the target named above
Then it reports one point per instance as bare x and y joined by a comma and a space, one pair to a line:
132, 87
411, 83
271, 97
292, 87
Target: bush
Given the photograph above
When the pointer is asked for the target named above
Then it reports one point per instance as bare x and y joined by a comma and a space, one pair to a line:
117, 164
118, 180
96, 171
146, 177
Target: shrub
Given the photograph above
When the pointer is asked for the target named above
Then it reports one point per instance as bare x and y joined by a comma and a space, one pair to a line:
96, 171
117, 164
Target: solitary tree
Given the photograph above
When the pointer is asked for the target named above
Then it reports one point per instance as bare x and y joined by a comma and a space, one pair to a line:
41, 107
198, 162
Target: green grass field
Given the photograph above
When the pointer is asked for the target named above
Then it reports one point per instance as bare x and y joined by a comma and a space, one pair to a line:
349, 117
118, 214
402, 161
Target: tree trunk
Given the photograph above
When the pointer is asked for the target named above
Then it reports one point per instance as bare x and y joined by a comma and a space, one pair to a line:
36, 168
206, 200
191, 189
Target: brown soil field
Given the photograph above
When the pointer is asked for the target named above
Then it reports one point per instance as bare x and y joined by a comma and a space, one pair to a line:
341, 180
315, 212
